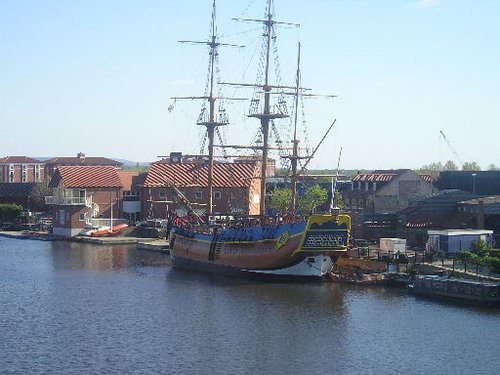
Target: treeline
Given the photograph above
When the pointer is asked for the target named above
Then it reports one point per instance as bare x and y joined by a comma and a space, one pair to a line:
432, 169
480, 255
436, 167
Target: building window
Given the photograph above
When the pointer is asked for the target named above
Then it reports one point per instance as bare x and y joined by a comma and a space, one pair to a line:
217, 194
81, 217
198, 194
162, 194
23, 175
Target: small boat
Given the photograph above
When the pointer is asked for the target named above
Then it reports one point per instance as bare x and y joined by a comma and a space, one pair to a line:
480, 293
107, 231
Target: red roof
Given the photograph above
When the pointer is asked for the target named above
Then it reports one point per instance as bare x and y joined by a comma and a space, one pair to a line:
196, 174
19, 160
387, 176
375, 177
90, 177
131, 180
428, 178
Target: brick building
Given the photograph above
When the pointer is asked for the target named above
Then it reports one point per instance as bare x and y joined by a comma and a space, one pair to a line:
83, 195
236, 188
21, 169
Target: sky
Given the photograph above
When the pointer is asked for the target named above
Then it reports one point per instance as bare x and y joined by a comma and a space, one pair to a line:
98, 77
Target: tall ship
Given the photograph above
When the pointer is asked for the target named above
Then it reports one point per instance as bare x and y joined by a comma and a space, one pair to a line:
296, 245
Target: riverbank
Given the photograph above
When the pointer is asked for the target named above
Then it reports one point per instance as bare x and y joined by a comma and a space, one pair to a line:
150, 244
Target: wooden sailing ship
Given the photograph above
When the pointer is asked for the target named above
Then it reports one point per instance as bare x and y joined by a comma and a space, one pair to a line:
293, 248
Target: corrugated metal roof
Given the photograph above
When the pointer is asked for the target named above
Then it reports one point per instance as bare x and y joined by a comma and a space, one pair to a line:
90, 177
196, 174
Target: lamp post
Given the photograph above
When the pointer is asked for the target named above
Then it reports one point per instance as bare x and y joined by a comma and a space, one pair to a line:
474, 184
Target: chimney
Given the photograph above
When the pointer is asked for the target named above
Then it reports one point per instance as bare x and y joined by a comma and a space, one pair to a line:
80, 155
176, 157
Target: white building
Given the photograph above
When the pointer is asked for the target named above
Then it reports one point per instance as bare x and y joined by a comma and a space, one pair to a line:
456, 240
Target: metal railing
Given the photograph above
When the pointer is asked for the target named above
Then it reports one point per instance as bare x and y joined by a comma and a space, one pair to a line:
68, 201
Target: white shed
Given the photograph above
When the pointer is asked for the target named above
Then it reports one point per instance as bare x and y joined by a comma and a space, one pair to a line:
393, 245
456, 240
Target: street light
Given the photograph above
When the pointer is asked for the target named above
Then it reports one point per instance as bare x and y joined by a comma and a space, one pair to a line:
474, 184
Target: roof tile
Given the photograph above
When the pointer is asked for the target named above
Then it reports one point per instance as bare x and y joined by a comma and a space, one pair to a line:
90, 177
196, 174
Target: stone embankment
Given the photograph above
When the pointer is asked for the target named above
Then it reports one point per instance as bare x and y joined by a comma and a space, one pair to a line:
151, 244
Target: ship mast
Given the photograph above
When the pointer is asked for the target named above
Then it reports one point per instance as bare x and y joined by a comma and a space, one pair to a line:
212, 122
266, 115
295, 157
295, 151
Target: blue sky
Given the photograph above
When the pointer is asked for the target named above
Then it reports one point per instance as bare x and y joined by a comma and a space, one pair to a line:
98, 77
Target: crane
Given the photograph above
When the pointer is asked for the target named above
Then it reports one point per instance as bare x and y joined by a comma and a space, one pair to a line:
457, 157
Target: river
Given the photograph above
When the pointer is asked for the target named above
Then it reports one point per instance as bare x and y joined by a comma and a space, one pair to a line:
72, 308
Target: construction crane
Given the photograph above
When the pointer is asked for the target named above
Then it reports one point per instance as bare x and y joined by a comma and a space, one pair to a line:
457, 157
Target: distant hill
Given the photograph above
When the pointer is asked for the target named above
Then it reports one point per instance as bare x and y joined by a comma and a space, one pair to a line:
130, 163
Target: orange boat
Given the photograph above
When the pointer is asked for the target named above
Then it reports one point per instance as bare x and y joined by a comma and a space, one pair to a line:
108, 232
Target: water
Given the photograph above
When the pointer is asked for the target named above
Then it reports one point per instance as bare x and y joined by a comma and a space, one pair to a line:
69, 308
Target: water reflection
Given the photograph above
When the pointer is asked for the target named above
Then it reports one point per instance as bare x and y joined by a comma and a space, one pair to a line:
72, 255
272, 321
76, 308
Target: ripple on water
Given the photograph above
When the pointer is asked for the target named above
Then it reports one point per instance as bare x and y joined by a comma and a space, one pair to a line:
72, 308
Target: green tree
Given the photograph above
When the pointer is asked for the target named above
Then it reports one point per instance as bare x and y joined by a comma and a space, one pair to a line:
450, 165
279, 199
471, 166
480, 248
338, 200
37, 197
281, 172
434, 168
314, 197
493, 167
10, 211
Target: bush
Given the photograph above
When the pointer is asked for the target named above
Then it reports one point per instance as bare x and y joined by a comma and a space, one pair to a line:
10, 211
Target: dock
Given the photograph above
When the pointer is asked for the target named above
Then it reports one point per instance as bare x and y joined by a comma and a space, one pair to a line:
149, 244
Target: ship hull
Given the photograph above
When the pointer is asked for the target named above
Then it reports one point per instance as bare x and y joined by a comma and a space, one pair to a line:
299, 250
313, 268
